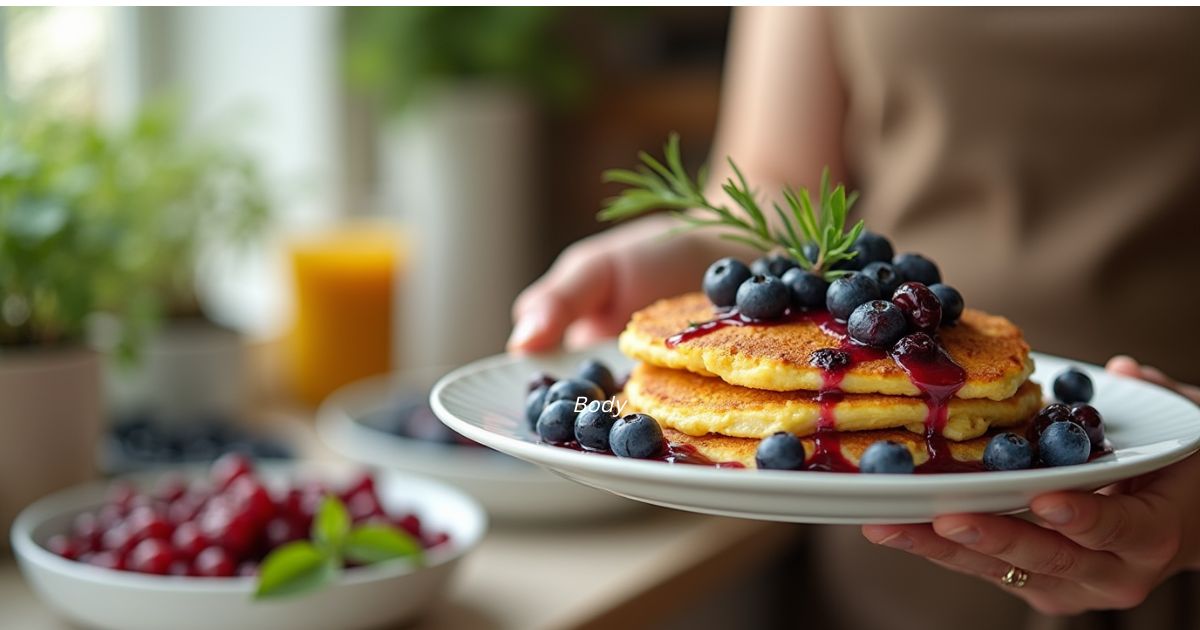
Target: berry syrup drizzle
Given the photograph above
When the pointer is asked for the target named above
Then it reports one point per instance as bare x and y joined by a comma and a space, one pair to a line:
929, 367
674, 453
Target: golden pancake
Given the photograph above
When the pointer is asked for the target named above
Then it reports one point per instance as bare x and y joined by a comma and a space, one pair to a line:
776, 357
699, 405
724, 449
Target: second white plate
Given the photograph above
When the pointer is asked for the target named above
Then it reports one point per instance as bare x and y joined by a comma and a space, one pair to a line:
1148, 426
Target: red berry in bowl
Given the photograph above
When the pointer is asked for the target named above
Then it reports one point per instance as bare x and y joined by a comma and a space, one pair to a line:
228, 467
248, 569
106, 559
145, 522
151, 556
250, 497
214, 562
121, 495
86, 527
64, 546
188, 540
170, 488
118, 540
409, 523
282, 530
920, 306
440, 538
364, 483
363, 505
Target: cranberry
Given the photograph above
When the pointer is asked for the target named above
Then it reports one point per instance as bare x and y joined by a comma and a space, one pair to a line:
214, 562
409, 523
65, 547
282, 530
436, 539
118, 539
921, 306
180, 568
829, 359
363, 505
121, 495
228, 467
1056, 412
86, 527
235, 531
188, 540
248, 569
916, 347
250, 497
1088, 417
106, 559
364, 483
170, 488
144, 523
151, 556
109, 517
185, 508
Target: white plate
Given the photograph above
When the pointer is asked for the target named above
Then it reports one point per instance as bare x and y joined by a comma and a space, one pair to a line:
1149, 427
510, 489
368, 597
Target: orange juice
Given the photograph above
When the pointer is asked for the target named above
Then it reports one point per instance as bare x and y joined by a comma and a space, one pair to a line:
344, 279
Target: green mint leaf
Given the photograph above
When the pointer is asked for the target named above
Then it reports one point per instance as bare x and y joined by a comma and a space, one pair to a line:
295, 568
369, 544
331, 524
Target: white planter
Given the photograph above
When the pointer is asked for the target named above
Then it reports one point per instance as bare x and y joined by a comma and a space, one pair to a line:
51, 410
457, 169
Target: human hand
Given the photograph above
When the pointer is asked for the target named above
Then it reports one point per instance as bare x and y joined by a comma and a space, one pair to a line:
1089, 551
596, 284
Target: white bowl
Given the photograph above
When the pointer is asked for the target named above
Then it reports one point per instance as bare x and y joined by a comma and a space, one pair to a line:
365, 597
510, 489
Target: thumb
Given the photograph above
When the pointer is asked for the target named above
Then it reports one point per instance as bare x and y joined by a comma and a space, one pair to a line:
575, 287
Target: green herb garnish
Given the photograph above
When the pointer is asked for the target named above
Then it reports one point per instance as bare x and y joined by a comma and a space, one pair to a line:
656, 185
302, 566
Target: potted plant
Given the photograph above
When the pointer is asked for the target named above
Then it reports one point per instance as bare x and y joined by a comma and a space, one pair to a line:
460, 88
63, 258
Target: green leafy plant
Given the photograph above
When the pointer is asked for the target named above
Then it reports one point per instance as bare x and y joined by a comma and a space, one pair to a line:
666, 185
393, 53
110, 220
305, 565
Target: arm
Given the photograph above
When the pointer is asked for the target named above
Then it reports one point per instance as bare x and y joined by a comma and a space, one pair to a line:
780, 119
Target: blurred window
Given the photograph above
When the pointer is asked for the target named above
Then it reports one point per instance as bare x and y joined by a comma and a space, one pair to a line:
55, 55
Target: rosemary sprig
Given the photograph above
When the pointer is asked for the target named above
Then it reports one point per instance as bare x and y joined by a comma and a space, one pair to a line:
655, 185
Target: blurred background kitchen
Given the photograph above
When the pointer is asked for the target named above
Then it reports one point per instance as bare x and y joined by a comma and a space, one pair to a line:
213, 218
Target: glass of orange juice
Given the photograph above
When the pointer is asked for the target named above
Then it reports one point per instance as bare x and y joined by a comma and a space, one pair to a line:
344, 280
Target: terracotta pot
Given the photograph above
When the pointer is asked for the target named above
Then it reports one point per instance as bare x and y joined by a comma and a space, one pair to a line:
51, 407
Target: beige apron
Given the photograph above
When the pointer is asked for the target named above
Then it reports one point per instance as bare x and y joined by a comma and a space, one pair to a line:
1049, 160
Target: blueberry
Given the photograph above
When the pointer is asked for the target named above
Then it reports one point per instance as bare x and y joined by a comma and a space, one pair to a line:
535, 402
872, 247
1008, 451
848, 292
1087, 417
722, 280
877, 323
829, 359
952, 302
918, 346
884, 275
637, 435
917, 268
920, 306
781, 451
763, 297
572, 389
598, 373
1064, 444
811, 252
1054, 412
886, 456
807, 288
1073, 386
772, 265
592, 427
556, 425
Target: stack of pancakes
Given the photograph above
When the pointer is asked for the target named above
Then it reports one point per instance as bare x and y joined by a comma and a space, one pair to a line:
723, 391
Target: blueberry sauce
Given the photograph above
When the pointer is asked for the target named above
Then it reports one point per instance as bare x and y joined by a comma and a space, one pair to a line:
675, 453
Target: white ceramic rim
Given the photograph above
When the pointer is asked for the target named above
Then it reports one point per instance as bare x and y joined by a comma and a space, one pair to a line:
812, 482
